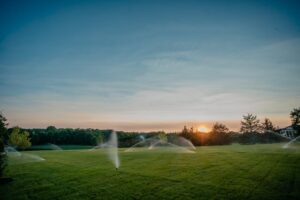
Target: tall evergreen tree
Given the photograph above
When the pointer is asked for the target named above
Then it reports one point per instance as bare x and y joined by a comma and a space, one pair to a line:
250, 124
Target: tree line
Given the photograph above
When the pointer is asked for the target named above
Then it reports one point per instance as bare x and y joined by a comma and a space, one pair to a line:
251, 131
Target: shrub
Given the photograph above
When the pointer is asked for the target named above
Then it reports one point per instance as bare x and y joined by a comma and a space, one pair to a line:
19, 139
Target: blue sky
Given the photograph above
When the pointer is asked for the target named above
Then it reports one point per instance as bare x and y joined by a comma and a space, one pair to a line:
148, 65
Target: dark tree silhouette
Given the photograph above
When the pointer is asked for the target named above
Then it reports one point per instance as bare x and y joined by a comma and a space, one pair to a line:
250, 124
219, 135
219, 128
3, 125
267, 125
295, 116
3, 136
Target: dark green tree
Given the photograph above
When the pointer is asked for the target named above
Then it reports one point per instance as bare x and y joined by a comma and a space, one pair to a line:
3, 129
267, 125
250, 124
295, 116
219, 135
219, 128
3, 136
162, 136
19, 139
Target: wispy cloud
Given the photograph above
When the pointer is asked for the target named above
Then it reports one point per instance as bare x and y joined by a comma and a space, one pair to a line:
121, 68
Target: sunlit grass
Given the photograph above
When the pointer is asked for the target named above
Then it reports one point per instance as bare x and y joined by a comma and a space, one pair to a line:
215, 172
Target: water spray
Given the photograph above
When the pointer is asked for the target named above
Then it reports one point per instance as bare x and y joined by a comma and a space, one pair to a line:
112, 147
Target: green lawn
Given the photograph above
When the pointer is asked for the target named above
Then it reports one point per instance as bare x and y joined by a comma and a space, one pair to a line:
53, 147
219, 172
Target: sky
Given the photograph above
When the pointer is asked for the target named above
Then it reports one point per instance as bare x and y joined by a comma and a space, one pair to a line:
148, 65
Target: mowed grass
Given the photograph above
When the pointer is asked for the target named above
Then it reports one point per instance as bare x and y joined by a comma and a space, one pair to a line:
63, 147
215, 172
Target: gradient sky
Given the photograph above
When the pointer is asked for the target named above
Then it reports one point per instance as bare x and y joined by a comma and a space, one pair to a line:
148, 65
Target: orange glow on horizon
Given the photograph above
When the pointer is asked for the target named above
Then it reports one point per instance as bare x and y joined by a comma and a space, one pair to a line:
203, 129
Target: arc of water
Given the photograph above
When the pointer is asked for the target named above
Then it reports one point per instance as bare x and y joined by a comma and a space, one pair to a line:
99, 146
155, 143
172, 145
12, 150
142, 143
54, 147
187, 142
290, 142
183, 148
21, 157
151, 143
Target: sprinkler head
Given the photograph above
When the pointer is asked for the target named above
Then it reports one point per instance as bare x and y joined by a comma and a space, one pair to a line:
117, 169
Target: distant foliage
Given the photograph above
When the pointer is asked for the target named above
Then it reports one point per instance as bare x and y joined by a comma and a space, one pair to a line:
69, 136
163, 137
218, 136
266, 137
267, 125
19, 139
189, 134
127, 139
253, 132
219, 128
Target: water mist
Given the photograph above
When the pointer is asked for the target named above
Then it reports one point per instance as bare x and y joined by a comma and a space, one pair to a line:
112, 149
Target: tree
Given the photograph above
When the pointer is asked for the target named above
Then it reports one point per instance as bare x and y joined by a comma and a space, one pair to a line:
51, 129
3, 129
194, 137
185, 133
3, 136
267, 125
295, 116
219, 135
250, 124
219, 128
99, 139
19, 139
162, 136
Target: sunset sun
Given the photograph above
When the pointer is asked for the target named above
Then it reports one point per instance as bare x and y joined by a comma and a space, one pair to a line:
203, 129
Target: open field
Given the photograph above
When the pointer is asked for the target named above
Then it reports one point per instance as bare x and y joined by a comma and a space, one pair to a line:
215, 172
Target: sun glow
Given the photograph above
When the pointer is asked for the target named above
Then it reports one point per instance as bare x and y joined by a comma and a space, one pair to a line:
203, 129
